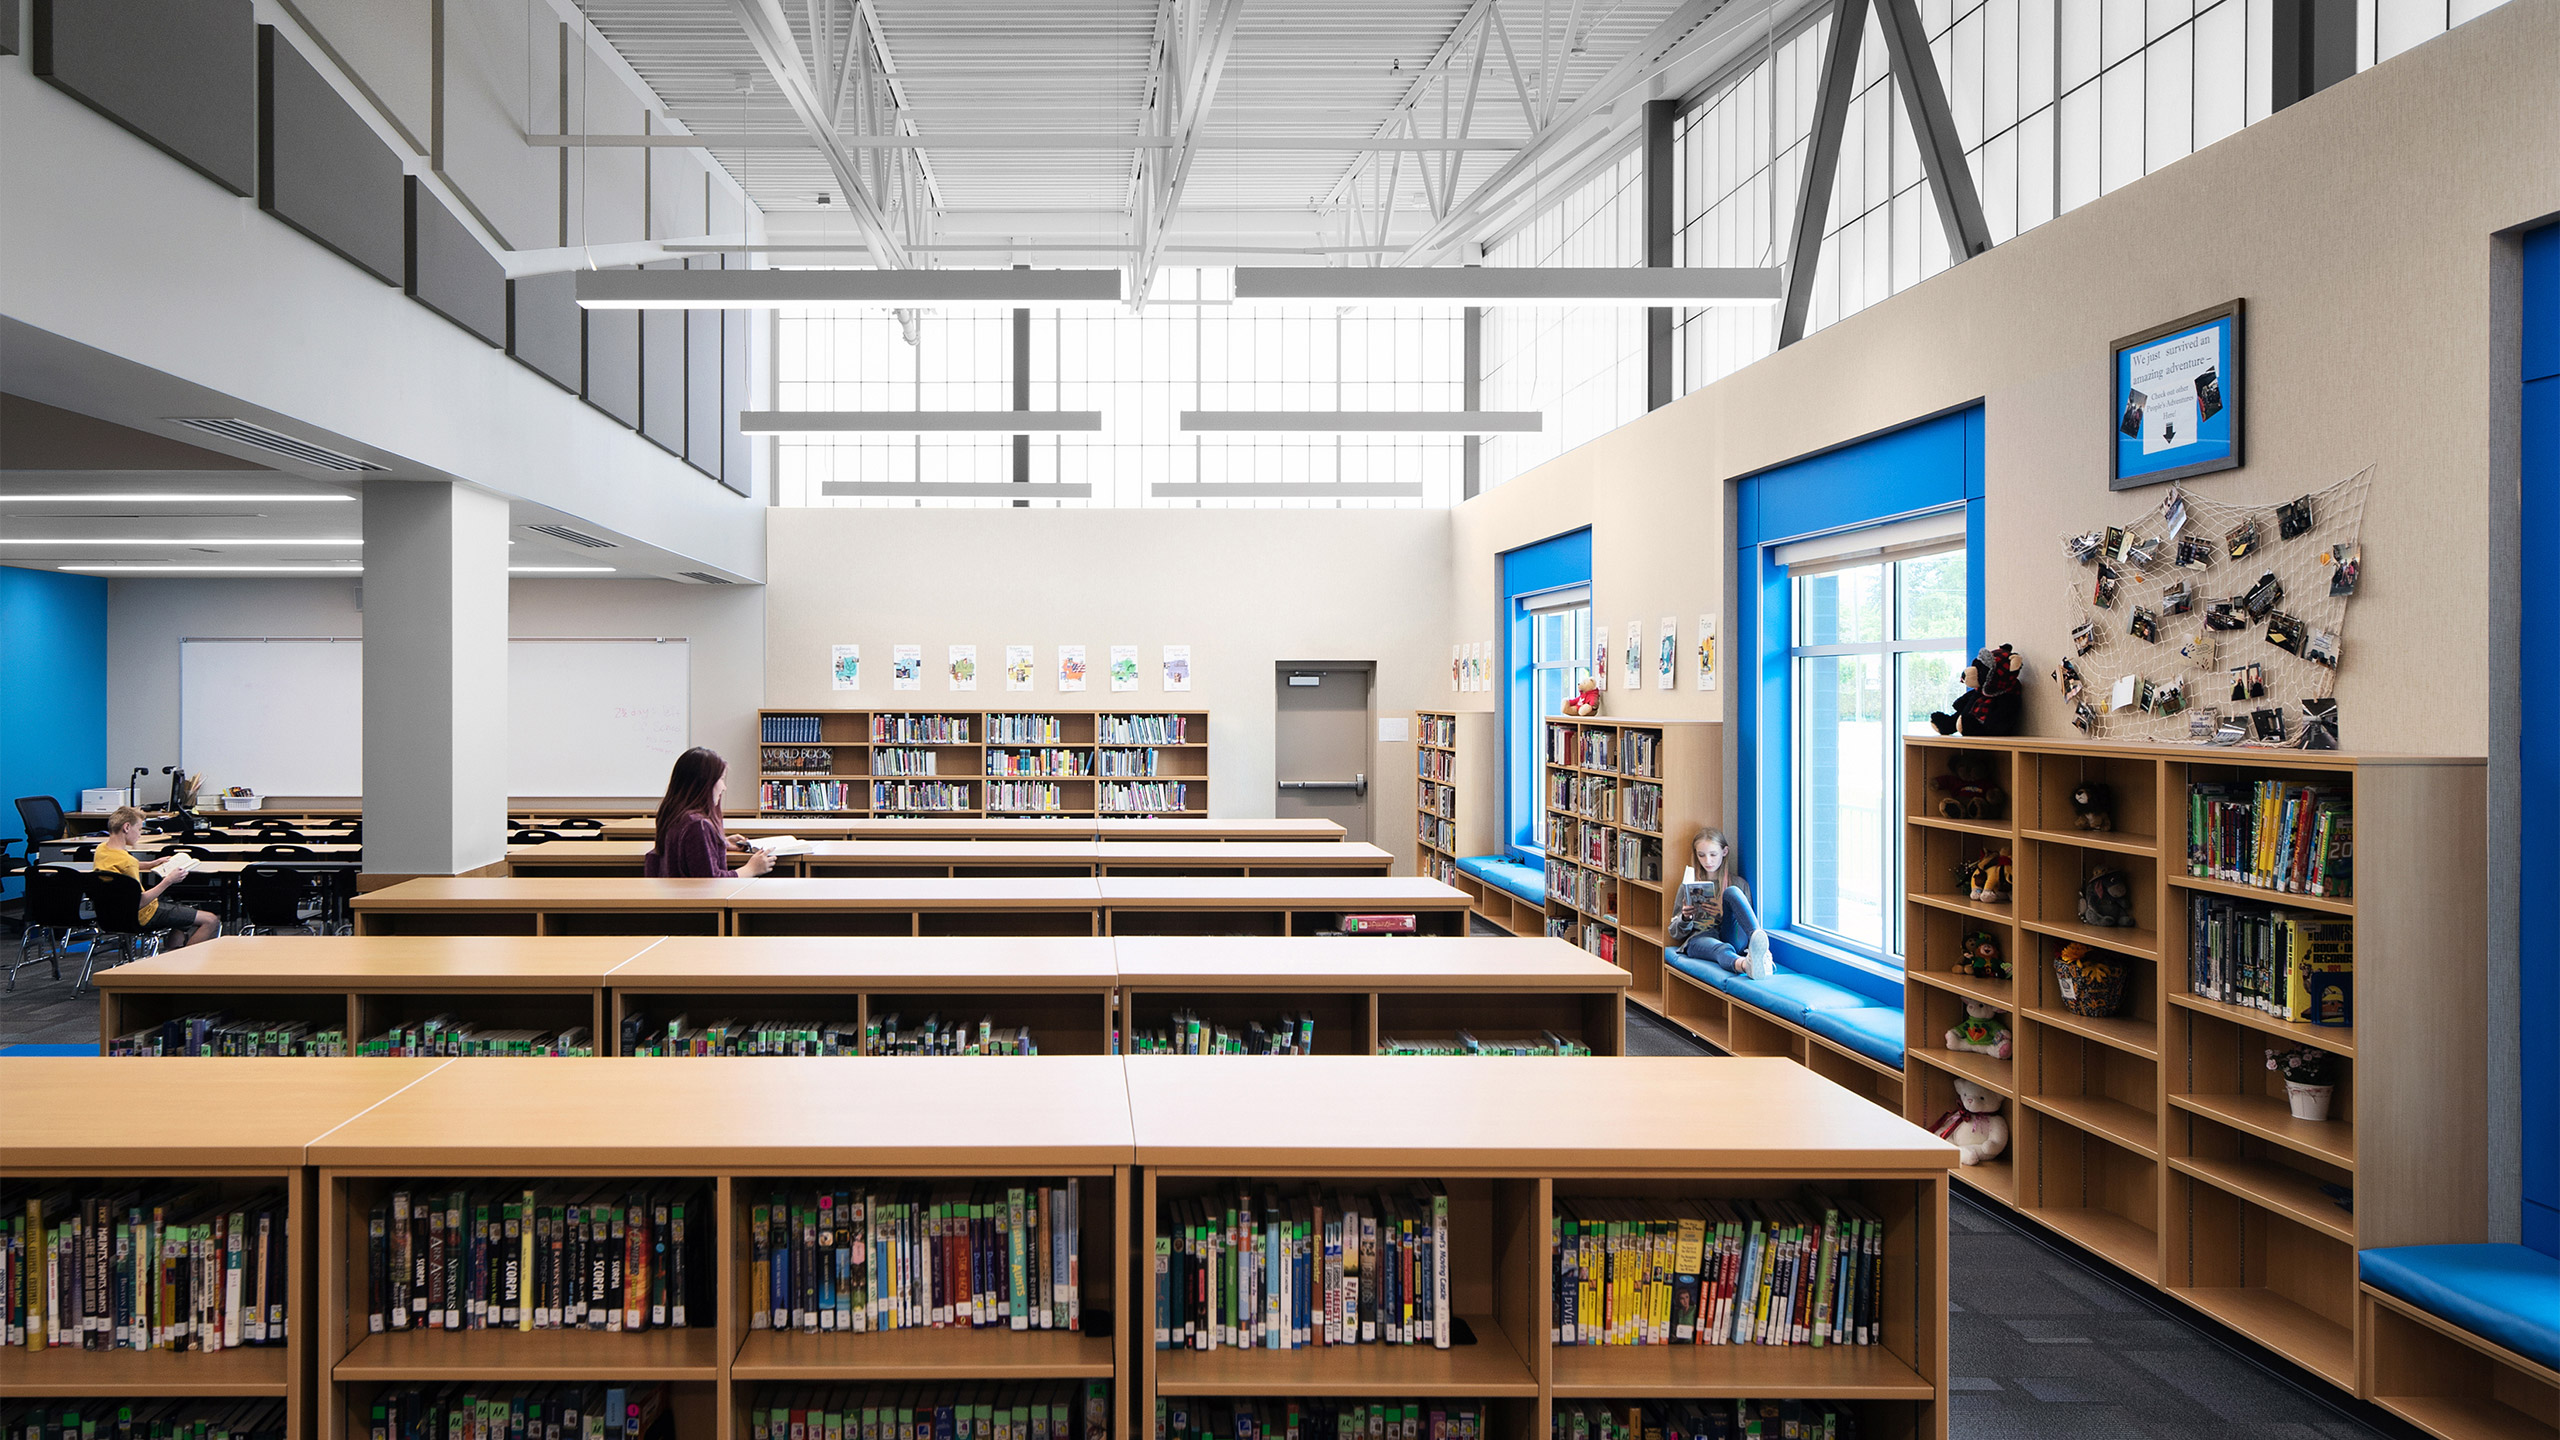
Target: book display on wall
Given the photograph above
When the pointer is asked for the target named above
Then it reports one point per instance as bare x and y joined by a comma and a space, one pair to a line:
2146, 957
1078, 763
1453, 759
1623, 802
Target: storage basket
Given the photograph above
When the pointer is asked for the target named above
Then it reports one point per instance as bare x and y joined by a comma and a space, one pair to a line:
2089, 982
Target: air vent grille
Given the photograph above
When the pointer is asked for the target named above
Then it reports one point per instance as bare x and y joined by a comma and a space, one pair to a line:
574, 537
705, 577
259, 437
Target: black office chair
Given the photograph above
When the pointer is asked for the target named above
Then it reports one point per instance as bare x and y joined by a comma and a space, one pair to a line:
75, 850
271, 899
581, 823
54, 925
287, 852
115, 902
42, 817
533, 837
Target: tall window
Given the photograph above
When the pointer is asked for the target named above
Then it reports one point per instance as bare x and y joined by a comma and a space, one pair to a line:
1559, 623
1878, 645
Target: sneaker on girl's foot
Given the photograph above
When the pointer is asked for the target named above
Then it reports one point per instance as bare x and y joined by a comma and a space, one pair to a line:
1758, 963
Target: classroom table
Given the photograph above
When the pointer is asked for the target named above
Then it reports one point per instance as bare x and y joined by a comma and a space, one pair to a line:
826, 859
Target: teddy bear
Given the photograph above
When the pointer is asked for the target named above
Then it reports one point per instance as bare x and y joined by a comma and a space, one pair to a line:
1982, 1031
1981, 958
1992, 700
2093, 806
1975, 1127
1967, 791
1986, 878
2106, 899
1586, 699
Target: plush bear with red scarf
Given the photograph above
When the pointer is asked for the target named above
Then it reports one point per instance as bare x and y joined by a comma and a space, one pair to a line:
1992, 699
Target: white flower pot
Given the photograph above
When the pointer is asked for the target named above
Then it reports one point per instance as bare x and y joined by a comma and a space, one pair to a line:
2310, 1102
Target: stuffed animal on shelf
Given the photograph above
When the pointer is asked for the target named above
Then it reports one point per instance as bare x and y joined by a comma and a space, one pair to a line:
1982, 1031
1981, 957
1992, 698
1967, 791
1987, 878
2106, 899
1975, 1127
1586, 699
2093, 806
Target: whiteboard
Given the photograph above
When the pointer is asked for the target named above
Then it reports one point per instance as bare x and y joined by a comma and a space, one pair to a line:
586, 719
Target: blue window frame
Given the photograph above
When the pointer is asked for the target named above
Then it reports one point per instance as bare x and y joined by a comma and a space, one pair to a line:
2538, 923
1538, 592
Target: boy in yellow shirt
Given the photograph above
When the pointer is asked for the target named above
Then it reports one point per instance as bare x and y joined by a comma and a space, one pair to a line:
115, 856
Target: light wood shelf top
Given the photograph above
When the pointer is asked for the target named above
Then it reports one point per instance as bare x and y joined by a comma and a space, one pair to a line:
305, 963
2000, 1075
2462, 1417
1527, 1113
791, 962
956, 852
2134, 1129
1240, 852
2005, 913
1834, 1372
2120, 841
2287, 1192
2258, 757
921, 893
248, 1370
1176, 827
2139, 1037
2116, 1239
1998, 830
2122, 939
1972, 987
1274, 891
1997, 1178
533, 1356
2278, 899
176, 1115
1360, 962
2338, 1039
1493, 1366
588, 851
2307, 1338
925, 1355
2270, 1119
709, 1113
550, 892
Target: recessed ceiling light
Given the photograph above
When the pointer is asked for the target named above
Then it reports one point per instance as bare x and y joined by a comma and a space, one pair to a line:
157, 498
559, 569
169, 540
213, 569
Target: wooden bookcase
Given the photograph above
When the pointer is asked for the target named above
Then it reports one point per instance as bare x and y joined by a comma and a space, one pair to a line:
948, 762
2156, 1138
1611, 877
986, 859
1452, 792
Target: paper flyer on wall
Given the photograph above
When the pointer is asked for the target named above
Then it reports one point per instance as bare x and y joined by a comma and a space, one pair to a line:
1667, 663
1600, 654
1124, 667
845, 667
1070, 668
1467, 668
964, 667
1707, 651
1177, 668
1634, 659
906, 667
2164, 378
1457, 658
1017, 667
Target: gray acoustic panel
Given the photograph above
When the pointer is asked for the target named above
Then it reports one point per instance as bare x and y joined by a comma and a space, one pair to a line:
737, 454
8, 27
703, 359
543, 327
612, 382
451, 272
321, 169
182, 74
662, 372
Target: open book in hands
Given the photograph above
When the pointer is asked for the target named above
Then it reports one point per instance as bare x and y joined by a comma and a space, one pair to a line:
178, 864
778, 845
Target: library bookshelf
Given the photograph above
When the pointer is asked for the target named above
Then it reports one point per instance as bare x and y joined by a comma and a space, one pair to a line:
990, 858
1510, 1140
1623, 803
2157, 1138
1452, 761
919, 762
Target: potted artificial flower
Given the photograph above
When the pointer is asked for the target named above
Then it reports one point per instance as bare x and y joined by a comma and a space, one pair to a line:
2310, 1078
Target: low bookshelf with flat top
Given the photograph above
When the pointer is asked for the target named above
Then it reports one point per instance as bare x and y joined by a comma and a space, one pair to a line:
998, 763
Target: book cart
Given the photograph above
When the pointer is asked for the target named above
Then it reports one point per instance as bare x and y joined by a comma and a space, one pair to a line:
2157, 1138
1508, 1139
1623, 802
1062, 763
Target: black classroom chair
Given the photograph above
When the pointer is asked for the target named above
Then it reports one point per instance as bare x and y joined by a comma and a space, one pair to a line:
54, 925
115, 902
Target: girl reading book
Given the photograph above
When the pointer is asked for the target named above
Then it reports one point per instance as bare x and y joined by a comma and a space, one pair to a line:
691, 841
1713, 919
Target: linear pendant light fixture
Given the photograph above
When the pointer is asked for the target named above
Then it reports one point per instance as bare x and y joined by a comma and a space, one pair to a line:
165, 497
1285, 489
172, 540
854, 290
1516, 285
955, 490
918, 422
1364, 422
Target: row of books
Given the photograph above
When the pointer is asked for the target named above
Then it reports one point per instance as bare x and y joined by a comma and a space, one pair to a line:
932, 1035
1441, 835
1185, 1033
816, 760
1586, 842
1547, 1042
1141, 797
1025, 797
1040, 1410
1129, 763
921, 729
931, 795
1440, 730
1643, 754
150, 1267
1435, 764
1636, 857
1040, 762
1716, 1272
1203, 1418
1593, 797
1641, 806
157, 1418
902, 762
2273, 835
1253, 1270
806, 795
1009, 727
440, 1034
793, 730
980, 1256
476, 1410
1598, 750
1590, 891
572, 1255
1595, 936
1562, 747
1141, 729
2242, 952
1702, 1420
1440, 800
212, 1032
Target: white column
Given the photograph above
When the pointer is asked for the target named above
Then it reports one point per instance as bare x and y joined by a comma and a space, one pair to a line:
435, 678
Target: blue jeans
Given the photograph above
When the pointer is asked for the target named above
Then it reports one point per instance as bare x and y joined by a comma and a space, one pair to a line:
1731, 935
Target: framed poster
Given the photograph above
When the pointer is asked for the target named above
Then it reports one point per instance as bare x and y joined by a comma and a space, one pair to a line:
2177, 392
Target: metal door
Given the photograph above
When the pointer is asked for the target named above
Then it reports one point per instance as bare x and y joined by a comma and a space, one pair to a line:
1321, 750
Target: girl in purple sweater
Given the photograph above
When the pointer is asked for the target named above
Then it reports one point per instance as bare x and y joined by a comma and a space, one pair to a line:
690, 839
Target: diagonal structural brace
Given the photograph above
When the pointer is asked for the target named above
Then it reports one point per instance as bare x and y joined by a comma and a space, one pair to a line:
1821, 163
769, 29
1933, 124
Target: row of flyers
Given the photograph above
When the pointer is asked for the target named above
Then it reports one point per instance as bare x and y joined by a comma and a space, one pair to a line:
1471, 663
906, 668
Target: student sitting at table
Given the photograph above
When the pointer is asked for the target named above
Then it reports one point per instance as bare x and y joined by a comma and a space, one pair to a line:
115, 857
691, 841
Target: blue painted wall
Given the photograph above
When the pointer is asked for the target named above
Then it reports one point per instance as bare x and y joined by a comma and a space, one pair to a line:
1548, 564
2538, 923
53, 689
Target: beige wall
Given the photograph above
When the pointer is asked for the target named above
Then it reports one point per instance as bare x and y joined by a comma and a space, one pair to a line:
1246, 589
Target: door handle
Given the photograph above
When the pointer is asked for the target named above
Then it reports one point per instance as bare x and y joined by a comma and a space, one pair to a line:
1357, 784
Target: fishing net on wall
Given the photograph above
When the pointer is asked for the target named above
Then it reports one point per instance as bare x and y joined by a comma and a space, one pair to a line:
2202, 622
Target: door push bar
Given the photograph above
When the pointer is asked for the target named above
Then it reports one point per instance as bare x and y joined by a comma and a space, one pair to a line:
1357, 784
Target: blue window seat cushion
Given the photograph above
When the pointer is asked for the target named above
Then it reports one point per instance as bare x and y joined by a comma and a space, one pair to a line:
2505, 1294
1504, 873
1874, 1031
1840, 1015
